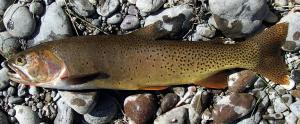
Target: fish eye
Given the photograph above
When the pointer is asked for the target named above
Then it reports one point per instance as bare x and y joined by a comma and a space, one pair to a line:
20, 61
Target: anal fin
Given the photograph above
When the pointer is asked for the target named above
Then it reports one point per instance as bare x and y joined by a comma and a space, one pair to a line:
216, 81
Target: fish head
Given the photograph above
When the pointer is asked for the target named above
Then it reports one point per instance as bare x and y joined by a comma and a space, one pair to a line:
35, 67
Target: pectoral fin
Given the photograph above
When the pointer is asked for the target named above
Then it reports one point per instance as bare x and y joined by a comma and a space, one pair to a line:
85, 78
216, 81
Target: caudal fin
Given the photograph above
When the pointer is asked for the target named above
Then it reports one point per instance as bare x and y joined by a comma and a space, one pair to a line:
271, 61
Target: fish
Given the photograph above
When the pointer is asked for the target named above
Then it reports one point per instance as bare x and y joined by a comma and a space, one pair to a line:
143, 60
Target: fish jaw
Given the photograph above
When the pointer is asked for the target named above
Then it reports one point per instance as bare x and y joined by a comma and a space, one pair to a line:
17, 75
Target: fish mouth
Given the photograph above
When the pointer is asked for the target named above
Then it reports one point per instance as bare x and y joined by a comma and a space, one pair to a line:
16, 75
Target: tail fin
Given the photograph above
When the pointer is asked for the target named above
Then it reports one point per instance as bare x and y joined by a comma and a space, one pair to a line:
271, 61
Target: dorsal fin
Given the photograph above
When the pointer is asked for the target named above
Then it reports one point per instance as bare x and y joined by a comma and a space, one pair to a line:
153, 31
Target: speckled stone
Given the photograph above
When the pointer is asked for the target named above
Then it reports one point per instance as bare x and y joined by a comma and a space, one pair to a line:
18, 21
140, 108
81, 102
232, 107
25, 115
130, 22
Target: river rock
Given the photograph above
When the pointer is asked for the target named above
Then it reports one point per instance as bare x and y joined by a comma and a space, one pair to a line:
132, 10
176, 20
25, 115
9, 44
295, 93
140, 108
18, 21
2, 27
4, 80
295, 108
3, 118
54, 25
82, 7
130, 22
149, 5
65, 114
291, 118
281, 2
245, 20
254, 119
177, 115
203, 32
114, 19
292, 42
4, 4
36, 8
232, 107
107, 7
168, 102
201, 101
81, 102
239, 81
104, 111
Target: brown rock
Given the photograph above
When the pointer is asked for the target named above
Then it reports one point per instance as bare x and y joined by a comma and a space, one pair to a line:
169, 102
232, 107
239, 81
140, 108
296, 93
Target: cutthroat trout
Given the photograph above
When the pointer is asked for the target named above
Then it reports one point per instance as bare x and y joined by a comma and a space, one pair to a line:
139, 61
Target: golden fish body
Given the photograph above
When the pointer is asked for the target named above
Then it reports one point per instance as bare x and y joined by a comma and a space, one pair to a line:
135, 61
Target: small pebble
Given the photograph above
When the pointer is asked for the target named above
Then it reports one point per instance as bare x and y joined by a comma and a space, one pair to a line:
115, 19
149, 5
132, 10
33, 90
107, 7
179, 91
130, 22
275, 116
36, 8
11, 91
15, 100
39, 105
97, 22
82, 7
22, 90
11, 112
